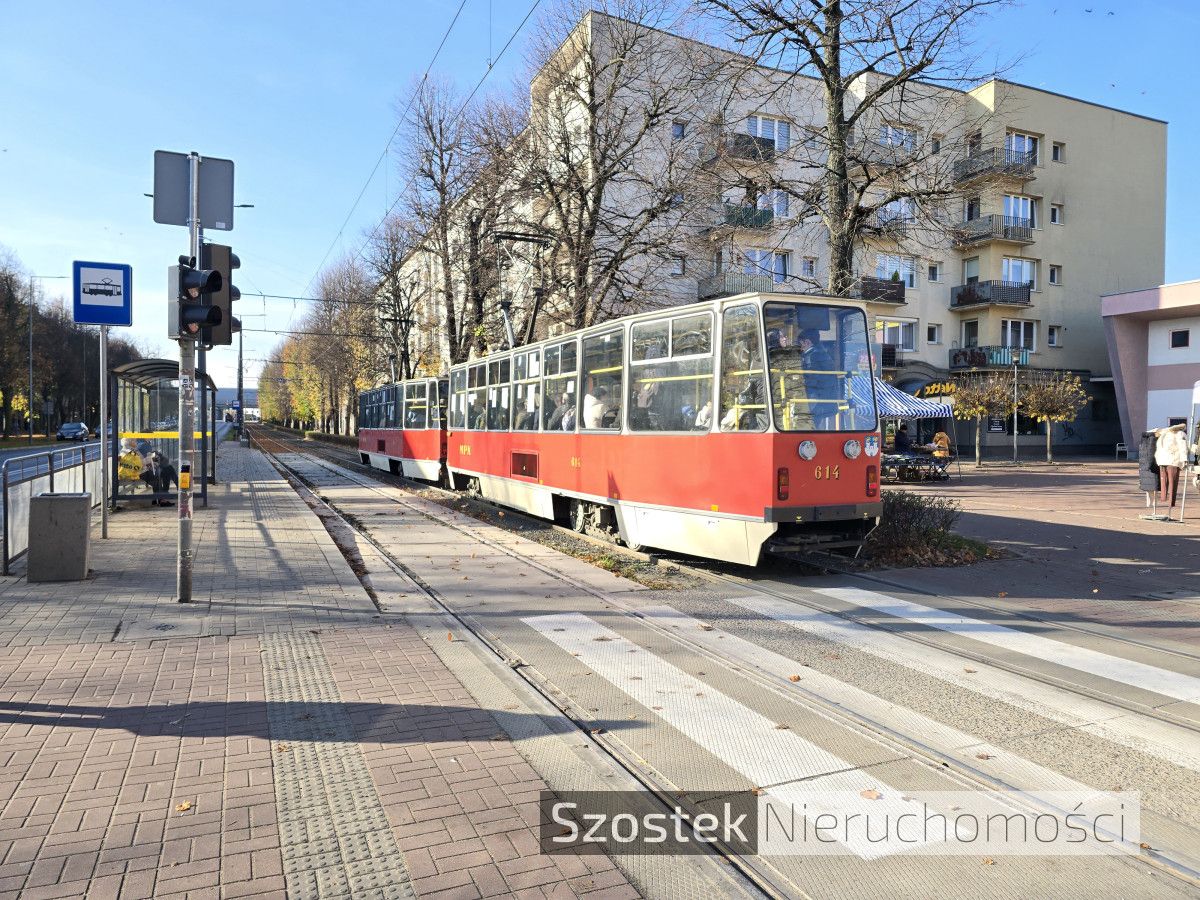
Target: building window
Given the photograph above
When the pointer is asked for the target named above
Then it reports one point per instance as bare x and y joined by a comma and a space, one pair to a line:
1021, 271
1055, 275
678, 131
935, 271
1018, 333
1020, 210
1181, 338
935, 145
1016, 143
760, 262
970, 333
895, 136
1058, 151
901, 335
1053, 335
903, 268
781, 204
772, 129
903, 211
972, 209
971, 270
678, 265
808, 267
1056, 214
933, 334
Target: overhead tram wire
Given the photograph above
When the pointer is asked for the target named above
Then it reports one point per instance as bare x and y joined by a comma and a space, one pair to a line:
388, 145
458, 112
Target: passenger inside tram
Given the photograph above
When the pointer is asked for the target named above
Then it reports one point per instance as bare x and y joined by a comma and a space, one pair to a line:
595, 407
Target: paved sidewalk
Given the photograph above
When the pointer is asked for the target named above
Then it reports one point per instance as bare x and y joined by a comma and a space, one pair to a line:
1082, 553
281, 736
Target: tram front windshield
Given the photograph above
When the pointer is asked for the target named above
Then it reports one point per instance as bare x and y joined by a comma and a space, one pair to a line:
820, 367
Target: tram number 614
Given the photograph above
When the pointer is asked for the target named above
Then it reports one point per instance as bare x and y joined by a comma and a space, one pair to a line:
830, 473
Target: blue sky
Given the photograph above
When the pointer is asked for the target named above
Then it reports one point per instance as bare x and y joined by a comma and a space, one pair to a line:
303, 97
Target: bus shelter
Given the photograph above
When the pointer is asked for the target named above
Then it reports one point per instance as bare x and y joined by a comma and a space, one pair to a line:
144, 397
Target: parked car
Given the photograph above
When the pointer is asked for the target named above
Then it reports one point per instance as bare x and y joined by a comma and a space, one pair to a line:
73, 431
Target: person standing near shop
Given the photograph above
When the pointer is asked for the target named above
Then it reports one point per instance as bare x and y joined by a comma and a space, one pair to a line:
1170, 452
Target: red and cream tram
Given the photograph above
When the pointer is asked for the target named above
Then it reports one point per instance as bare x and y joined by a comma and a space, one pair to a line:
709, 429
402, 428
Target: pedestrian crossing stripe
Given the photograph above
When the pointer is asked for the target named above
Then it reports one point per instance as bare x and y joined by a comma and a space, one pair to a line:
792, 770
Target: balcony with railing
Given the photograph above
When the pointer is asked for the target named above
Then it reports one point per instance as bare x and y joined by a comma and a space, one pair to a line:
1013, 229
891, 356
987, 357
996, 162
728, 284
893, 225
744, 216
978, 293
740, 147
880, 290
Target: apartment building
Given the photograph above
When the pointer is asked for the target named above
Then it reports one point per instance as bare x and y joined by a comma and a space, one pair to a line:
1047, 203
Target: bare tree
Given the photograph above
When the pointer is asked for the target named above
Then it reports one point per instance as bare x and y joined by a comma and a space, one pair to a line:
610, 185
402, 295
882, 78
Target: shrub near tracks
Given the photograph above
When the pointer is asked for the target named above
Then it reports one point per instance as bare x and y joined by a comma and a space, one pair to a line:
918, 531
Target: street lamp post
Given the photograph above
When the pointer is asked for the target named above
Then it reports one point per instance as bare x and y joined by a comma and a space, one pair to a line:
29, 412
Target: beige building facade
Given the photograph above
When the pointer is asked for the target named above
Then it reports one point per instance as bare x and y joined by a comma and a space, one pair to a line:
1046, 203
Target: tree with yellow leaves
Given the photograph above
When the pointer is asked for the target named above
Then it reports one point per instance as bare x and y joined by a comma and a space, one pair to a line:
1055, 397
980, 396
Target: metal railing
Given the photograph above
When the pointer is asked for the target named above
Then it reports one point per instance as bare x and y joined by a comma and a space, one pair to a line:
1010, 292
731, 283
23, 477
738, 145
744, 216
987, 357
995, 161
995, 228
880, 290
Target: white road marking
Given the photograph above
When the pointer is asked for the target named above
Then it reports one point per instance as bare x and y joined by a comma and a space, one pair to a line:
1114, 668
1132, 730
941, 737
745, 740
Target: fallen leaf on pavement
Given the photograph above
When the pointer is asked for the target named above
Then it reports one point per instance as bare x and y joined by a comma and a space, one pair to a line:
970, 671
1004, 593
988, 861
450, 636
706, 627
1145, 846
184, 806
870, 794
793, 678
984, 756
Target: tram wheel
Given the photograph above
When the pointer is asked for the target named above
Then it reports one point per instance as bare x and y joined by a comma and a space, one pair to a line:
577, 512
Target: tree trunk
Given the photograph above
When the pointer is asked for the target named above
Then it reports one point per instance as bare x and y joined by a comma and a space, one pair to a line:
978, 441
1049, 432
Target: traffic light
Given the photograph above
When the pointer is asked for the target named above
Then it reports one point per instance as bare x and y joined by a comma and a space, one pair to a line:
189, 290
222, 260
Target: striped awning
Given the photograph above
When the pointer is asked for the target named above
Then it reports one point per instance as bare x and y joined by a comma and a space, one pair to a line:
896, 404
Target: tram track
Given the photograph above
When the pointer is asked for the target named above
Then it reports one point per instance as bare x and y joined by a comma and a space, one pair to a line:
767, 882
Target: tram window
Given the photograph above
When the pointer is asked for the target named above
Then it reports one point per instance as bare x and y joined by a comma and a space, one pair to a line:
476, 392
669, 393
437, 403
458, 394
527, 391
393, 407
558, 392
650, 340
416, 406
603, 360
820, 368
499, 395
691, 335
743, 396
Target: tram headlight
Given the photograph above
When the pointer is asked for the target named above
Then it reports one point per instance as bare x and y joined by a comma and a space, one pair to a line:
807, 449
852, 449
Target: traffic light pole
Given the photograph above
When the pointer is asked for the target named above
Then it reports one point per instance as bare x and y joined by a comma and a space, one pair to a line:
187, 404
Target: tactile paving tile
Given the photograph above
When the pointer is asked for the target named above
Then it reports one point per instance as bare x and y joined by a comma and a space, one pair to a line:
334, 833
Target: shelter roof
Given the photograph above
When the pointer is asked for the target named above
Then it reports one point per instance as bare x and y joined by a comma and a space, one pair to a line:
148, 372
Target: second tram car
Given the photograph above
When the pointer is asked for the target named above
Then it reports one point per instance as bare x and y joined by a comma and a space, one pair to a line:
402, 428
709, 429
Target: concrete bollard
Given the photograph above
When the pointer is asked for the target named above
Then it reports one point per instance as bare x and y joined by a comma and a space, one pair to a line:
59, 537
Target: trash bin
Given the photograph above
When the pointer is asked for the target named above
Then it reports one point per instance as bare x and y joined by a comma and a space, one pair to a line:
59, 531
